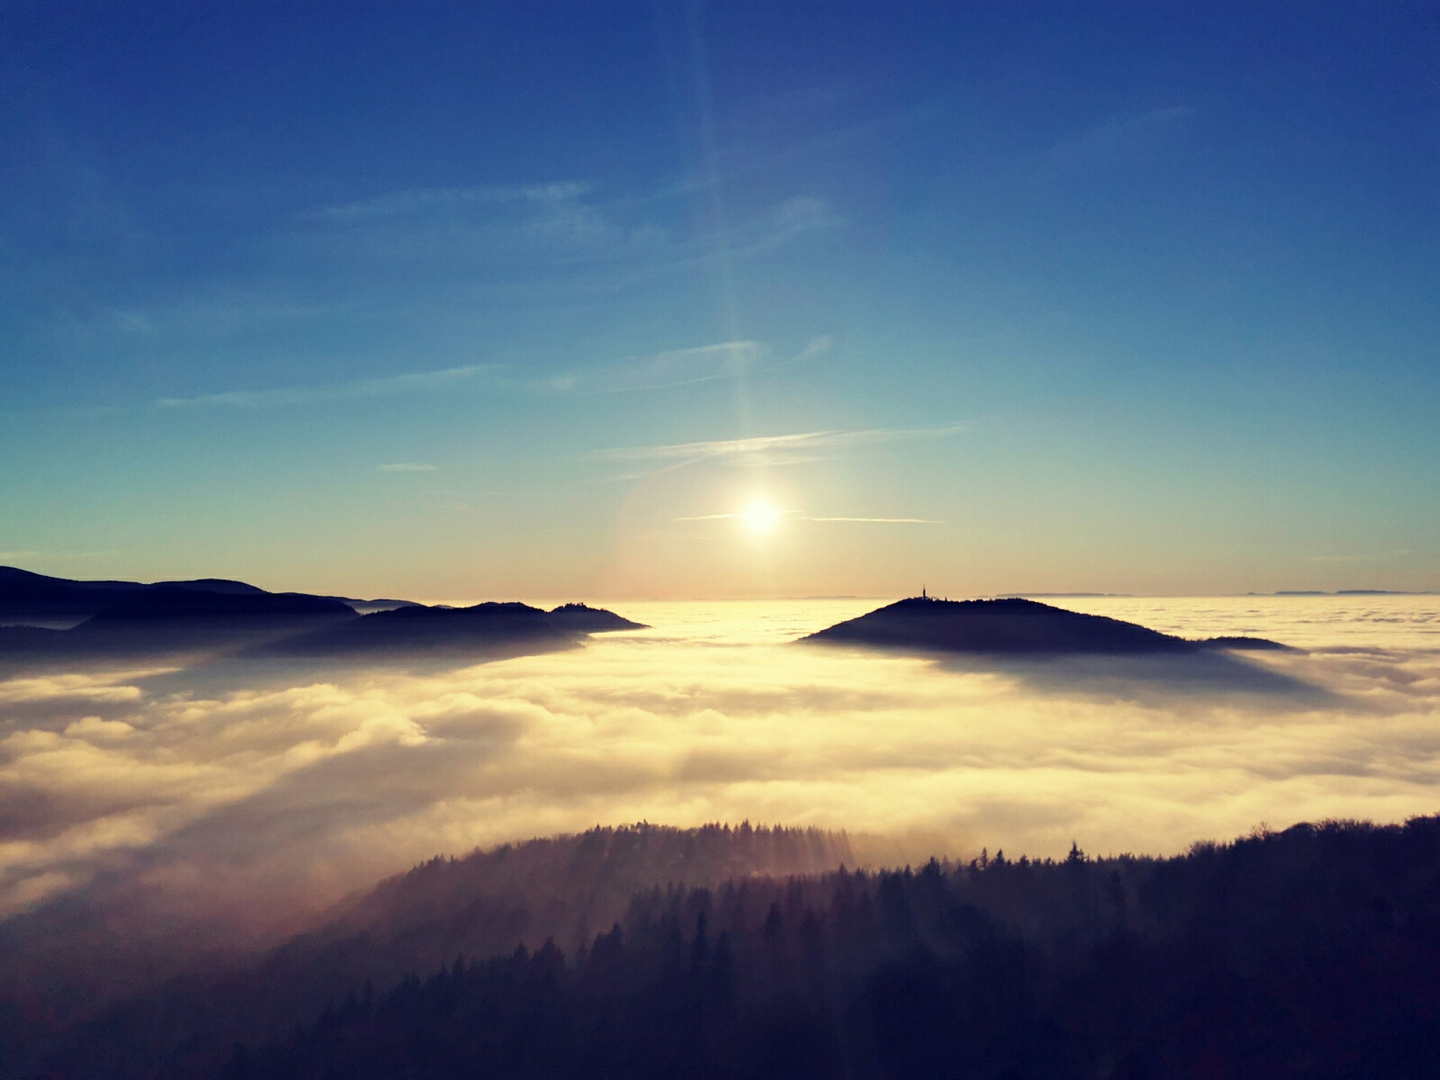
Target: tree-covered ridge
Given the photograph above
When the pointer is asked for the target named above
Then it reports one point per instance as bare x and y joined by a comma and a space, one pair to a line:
482, 904
1309, 953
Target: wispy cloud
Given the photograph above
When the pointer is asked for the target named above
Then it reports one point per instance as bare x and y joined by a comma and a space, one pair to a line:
427, 200
816, 346
682, 367
793, 217
882, 520
801, 517
765, 444
407, 466
411, 382
1117, 140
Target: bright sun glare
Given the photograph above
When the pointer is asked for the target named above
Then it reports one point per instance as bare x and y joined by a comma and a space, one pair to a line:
760, 517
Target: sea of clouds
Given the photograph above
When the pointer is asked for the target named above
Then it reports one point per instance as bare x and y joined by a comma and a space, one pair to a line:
251, 795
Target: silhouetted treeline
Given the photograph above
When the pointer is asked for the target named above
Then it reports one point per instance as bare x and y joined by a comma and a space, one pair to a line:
1310, 953
562, 888
482, 904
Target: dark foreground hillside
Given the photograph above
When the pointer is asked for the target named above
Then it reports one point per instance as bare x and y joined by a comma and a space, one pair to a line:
76, 1000
1310, 953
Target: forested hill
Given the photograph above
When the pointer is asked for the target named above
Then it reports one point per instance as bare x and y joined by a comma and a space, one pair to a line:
567, 881
1313, 953
564, 888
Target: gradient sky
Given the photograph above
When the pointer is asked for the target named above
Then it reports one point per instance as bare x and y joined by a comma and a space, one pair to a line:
478, 300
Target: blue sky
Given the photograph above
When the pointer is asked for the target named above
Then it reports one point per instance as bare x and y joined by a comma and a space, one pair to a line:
461, 301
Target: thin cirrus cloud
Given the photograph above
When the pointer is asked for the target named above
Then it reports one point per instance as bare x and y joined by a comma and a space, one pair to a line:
882, 520
1117, 141
678, 367
430, 200
802, 517
490, 219
768, 444
411, 382
563, 215
683, 367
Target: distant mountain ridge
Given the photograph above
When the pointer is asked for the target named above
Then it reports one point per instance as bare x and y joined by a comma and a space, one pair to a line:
27, 595
167, 602
1011, 626
131, 618
417, 629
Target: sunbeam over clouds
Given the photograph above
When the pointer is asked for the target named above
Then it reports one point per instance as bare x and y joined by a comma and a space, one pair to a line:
920, 429
1182, 309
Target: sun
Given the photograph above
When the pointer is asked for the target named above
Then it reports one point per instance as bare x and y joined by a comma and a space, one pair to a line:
760, 517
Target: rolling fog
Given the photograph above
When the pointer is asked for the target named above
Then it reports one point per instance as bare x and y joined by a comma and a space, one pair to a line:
248, 796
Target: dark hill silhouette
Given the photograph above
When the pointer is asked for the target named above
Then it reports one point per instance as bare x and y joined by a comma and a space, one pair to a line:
484, 630
581, 619
31, 597
483, 904
212, 585
1010, 626
211, 615
1310, 954
563, 888
176, 622
170, 603
1245, 644
566, 884
24, 595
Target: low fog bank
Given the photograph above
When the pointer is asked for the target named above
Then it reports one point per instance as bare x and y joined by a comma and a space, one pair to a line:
155, 815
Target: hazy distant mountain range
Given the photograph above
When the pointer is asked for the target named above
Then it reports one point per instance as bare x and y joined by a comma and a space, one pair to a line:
61, 618
170, 616
31, 598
